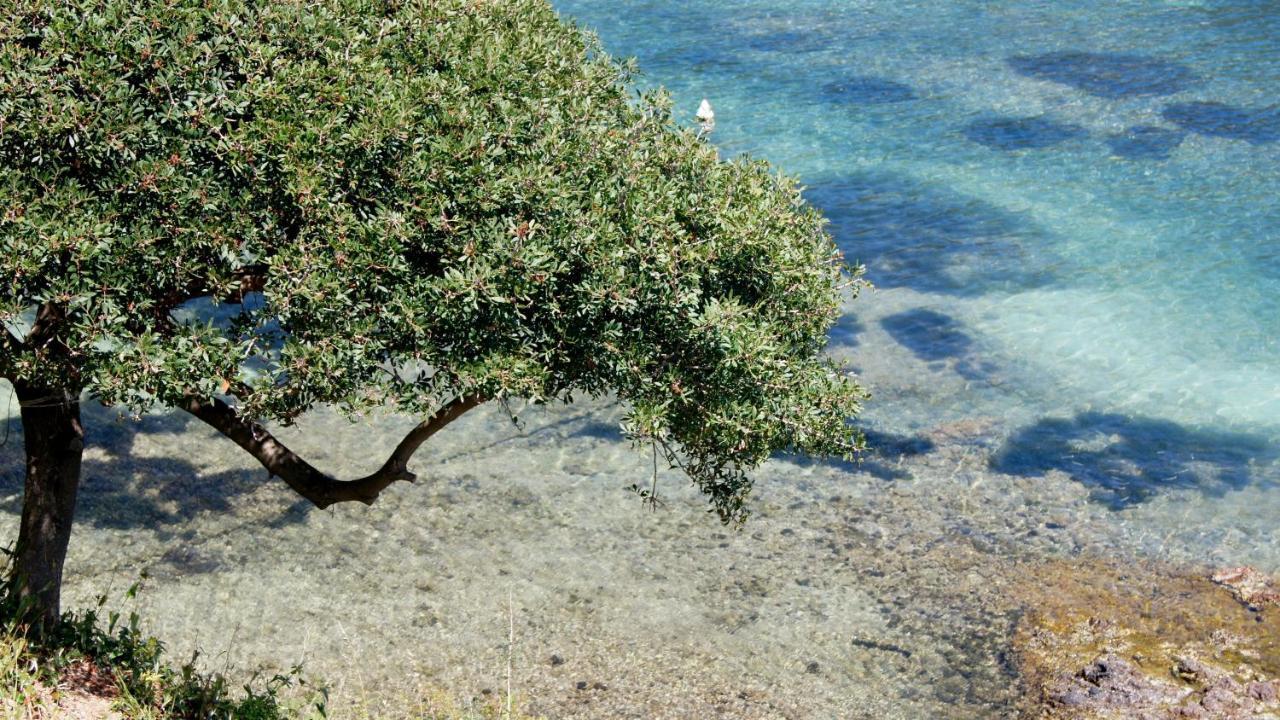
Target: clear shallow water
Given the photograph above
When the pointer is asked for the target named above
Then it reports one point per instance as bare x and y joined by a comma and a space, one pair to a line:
1072, 349
1071, 210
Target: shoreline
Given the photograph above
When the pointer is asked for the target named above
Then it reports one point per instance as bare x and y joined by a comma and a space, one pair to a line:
885, 590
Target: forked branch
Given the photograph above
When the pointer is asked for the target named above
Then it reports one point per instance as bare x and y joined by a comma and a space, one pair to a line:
312, 484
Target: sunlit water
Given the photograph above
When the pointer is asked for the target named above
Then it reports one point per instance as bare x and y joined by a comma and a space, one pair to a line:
1070, 214
1072, 211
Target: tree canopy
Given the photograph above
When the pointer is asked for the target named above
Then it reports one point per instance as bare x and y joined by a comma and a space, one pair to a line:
413, 204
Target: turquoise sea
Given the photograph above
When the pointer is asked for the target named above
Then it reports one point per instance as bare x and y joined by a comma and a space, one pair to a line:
1071, 211
1070, 214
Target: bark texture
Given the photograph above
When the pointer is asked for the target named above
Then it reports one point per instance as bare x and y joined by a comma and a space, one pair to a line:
309, 482
54, 441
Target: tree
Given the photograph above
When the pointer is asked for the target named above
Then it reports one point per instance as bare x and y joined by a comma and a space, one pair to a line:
416, 204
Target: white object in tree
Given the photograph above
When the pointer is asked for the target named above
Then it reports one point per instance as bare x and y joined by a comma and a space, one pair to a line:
706, 116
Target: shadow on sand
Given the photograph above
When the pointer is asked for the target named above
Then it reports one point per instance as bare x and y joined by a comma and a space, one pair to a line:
1128, 460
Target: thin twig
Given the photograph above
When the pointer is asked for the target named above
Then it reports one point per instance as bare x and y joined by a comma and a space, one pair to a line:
653, 488
511, 644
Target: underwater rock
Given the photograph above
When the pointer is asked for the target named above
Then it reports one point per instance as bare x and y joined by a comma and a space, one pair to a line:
1145, 142
1108, 75
1026, 133
1106, 642
867, 90
1249, 586
1215, 119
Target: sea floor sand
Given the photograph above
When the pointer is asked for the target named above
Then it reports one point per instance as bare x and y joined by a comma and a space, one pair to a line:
882, 590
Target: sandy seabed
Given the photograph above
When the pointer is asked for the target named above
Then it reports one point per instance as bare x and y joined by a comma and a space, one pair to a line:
881, 590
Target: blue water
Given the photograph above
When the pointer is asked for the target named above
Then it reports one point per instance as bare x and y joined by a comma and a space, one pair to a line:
1071, 213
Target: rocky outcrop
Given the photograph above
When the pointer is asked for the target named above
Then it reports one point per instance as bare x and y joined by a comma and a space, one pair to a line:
1249, 586
1103, 642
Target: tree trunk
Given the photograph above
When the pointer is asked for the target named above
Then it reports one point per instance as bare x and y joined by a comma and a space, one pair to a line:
54, 443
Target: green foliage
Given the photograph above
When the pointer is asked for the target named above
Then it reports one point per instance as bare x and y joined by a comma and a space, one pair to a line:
150, 687
433, 197
21, 691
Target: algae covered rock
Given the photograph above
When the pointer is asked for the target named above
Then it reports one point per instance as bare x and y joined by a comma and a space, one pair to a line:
1249, 586
1103, 642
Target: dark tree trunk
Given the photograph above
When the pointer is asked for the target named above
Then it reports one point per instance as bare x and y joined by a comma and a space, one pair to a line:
54, 444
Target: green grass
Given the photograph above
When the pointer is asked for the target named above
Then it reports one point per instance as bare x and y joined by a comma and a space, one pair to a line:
146, 685
21, 693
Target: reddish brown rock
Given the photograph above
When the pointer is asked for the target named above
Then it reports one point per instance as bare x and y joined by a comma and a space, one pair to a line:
1106, 642
1249, 586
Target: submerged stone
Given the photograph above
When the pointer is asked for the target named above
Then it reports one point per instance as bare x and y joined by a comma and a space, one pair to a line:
1109, 75
1109, 642
1217, 119
1029, 133
867, 90
1249, 586
1145, 142
930, 238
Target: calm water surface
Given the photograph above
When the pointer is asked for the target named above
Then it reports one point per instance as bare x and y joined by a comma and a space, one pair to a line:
1070, 212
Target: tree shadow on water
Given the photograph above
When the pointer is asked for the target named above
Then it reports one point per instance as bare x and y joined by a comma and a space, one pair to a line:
881, 459
788, 41
937, 338
1125, 461
127, 491
866, 90
844, 333
925, 237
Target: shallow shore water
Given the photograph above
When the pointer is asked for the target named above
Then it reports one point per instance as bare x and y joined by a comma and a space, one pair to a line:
886, 590
1068, 210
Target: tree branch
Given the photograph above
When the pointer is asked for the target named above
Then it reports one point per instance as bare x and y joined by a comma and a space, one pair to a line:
321, 489
48, 317
250, 278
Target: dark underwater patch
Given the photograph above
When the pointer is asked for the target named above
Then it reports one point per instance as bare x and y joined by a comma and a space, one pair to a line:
935, 338
883, 452
121, 489
846, 330
1029, 133
867, 90
1215, 119
1145, 142
892, 445
789, 41
1127, 460
926, 237
929, 335
1109, 75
